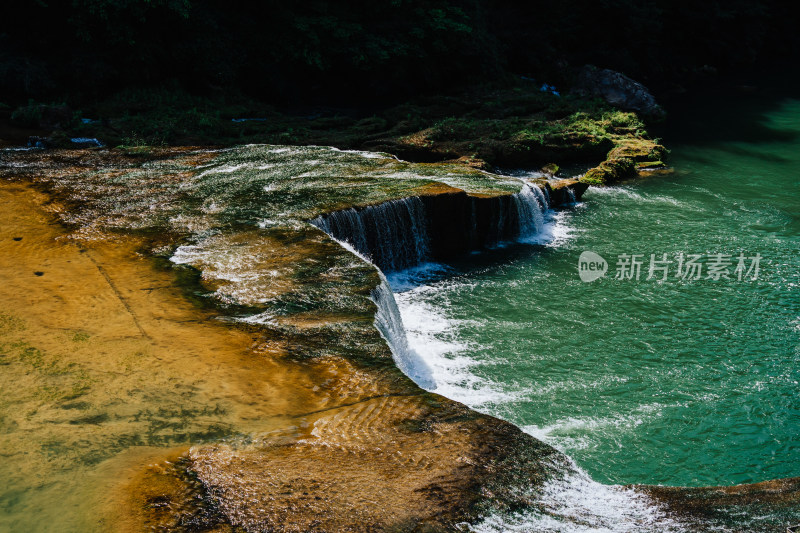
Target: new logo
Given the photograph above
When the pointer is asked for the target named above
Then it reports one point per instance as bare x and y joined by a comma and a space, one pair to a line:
591, 266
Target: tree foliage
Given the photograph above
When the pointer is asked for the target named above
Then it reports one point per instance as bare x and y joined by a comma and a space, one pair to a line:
371, 49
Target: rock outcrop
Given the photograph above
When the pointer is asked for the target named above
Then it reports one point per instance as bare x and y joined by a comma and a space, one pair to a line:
566, 191
625, 161
617, 89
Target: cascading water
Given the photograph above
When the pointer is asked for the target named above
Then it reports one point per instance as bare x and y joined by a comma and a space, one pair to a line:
571, 194
531, 204
572, 502
390, 324
405, 233
397, 235
393, 235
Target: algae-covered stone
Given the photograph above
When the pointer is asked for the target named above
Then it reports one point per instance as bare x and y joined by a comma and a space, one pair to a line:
630, 155
610, 171
638, 150
550, 169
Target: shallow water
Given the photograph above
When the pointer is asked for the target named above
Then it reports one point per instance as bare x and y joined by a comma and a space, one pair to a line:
110, 373
675, 382
107, 368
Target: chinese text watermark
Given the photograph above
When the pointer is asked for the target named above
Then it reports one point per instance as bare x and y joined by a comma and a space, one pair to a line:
662, 267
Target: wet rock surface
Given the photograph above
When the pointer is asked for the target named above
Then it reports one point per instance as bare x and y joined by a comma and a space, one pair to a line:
349, 442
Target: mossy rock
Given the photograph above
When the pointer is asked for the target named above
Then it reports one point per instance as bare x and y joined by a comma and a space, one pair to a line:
640, 165
550, 169
639, 150
610, 171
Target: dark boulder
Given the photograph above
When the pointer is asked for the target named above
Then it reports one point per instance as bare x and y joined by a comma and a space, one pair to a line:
565, 191
617, 89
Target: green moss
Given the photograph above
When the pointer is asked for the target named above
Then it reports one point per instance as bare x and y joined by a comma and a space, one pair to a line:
550, 168
10, 323
649, 164
610, 171
638, 149
80, 336
563, 129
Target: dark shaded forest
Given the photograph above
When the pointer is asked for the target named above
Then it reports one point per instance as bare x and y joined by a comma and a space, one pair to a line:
373, 52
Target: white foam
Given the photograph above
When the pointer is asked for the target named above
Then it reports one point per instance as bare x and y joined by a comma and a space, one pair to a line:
432, 335
574, 503
224, 169
555, 230
630, 194
265, 318
571, 433
389, 323
236, 270
362, 153
20, 148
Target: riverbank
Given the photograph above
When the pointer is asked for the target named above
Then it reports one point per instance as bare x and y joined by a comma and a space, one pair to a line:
341, 438
349, 441
518, 126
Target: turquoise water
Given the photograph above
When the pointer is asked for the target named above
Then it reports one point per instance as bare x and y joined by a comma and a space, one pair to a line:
680, 382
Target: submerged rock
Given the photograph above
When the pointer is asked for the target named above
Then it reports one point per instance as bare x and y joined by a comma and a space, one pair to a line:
765, 506
617, 89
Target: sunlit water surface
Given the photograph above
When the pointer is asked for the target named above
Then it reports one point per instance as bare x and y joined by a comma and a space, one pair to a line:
676, 382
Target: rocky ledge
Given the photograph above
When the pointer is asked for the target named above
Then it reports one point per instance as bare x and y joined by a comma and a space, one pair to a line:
376, 452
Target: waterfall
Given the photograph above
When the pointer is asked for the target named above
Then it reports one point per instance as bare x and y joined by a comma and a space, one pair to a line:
571, 194
405, 233
530, 204
390, 325
393, 235
400, 234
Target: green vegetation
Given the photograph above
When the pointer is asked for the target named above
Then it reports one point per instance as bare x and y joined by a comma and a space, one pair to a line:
80, 336
28, 115
139, 74
354, 51
520, 125
10, 323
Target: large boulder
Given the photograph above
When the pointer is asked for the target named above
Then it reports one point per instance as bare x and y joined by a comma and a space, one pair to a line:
617, 89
